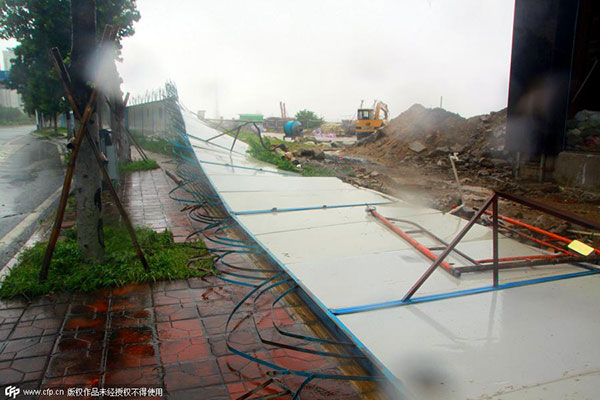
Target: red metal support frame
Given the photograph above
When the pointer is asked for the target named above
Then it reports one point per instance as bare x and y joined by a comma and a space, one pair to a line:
449, 249
541, 231
519, 258
422, 249
538, 241
534, 263
495, 239
550, 210
527, 261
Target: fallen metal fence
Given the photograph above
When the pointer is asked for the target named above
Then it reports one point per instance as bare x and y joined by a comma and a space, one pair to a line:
496, 263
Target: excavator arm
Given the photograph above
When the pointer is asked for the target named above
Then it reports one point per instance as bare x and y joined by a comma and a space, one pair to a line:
379, 108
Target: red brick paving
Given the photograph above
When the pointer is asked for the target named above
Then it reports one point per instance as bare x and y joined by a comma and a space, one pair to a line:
168, 335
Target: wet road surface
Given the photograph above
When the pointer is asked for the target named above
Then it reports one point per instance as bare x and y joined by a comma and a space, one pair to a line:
30, 172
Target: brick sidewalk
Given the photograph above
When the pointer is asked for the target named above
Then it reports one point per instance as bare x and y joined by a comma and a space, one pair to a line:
168, 335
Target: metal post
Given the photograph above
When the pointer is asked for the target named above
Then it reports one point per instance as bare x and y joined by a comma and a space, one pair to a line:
449, 249
495, 238
453, 157
235, 138
227, 131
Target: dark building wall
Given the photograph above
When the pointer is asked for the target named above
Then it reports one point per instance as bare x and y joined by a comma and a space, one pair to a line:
585, 81
554, 71
542, 53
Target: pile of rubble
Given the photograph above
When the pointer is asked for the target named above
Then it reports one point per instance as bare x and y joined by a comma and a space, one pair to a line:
424, 137
583, 132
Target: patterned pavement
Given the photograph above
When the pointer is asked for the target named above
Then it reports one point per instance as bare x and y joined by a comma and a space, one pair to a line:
161, 340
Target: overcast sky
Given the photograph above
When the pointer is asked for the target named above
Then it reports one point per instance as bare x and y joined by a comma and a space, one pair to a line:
239, 56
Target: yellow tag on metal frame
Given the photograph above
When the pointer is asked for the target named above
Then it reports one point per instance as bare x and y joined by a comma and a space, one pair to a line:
580, 247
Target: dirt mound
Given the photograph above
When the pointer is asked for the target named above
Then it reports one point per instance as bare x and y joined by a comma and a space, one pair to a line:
421, 133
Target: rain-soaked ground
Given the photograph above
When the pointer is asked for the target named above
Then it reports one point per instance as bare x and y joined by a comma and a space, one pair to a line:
30, 172
167, 339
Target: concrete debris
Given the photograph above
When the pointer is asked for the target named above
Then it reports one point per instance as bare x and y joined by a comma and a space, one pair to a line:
290, 157
417, 146
583, 132
319, 155
307, 153
439, 151
410, 159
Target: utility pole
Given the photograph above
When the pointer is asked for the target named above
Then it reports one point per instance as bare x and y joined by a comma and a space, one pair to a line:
88, 178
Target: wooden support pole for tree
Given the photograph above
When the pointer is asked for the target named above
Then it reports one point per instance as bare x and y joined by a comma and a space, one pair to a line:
61, 71
120, 121
81, 132
87, 113
137, 146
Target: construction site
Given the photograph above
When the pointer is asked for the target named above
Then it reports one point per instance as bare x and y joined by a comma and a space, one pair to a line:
459, 255
396, 254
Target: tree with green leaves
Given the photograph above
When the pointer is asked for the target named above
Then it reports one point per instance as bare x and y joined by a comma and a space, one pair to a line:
309, 119
39, 25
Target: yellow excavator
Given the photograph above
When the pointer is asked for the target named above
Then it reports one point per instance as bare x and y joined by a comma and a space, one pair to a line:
369, 120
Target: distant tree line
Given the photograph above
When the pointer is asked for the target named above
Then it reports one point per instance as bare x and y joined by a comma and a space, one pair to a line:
309, 119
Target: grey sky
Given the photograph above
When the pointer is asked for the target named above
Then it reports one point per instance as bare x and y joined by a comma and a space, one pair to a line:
323, 55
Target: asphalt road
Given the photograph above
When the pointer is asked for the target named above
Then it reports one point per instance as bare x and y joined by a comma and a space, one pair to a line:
30, 173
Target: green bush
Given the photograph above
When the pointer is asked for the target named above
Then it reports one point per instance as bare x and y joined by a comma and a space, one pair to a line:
264, 154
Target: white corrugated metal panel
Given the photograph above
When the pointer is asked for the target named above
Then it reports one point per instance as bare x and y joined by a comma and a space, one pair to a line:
198, 128
387, 276
483, 345
267, 200
277, 222
276, 183
513, 343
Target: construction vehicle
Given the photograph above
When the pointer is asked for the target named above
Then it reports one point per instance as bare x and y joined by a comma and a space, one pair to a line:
369, 120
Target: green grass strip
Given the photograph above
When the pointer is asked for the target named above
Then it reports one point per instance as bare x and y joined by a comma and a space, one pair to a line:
168, 260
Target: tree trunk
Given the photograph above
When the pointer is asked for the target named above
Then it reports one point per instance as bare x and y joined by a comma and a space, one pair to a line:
118, 127
55, 121
88, 178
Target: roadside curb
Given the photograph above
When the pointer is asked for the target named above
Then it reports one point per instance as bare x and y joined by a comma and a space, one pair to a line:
41, 231
37, 236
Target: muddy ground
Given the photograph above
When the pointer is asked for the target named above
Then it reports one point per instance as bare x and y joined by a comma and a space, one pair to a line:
410, 160
435, 186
